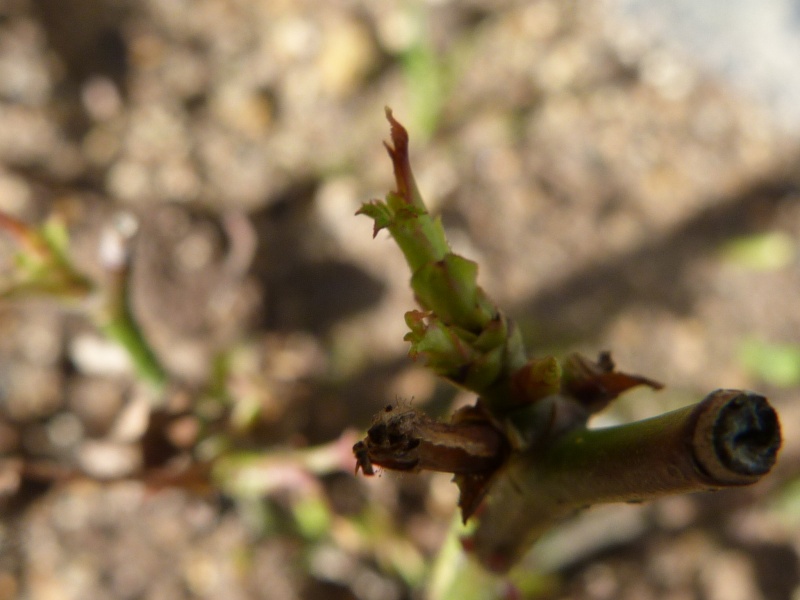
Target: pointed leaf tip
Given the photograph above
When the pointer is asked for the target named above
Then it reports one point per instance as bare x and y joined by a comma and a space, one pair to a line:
398, 152
398, 132
379, 213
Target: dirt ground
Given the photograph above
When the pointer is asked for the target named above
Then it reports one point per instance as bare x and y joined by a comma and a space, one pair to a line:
601, 181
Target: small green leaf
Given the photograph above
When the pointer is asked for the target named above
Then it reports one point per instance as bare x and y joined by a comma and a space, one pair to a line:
539, 378
420, 237
484, 369
449, 288
379, 212
438, 344
494, 334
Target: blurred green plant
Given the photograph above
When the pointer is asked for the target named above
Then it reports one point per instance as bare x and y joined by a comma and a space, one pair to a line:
427, 74
767, 251
775, 364
41, 264
277, 490
43, 267
426, 80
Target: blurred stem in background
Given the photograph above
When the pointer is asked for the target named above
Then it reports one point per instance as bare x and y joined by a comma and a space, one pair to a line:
43, 268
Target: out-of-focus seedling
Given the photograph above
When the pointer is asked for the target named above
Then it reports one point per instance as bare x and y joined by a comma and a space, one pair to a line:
43, 267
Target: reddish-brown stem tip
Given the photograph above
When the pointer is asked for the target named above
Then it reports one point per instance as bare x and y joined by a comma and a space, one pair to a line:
398, 152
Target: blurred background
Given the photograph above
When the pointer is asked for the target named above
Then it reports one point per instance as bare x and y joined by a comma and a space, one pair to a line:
624, 173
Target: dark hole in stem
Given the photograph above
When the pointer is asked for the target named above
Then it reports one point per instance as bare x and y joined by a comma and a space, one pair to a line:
747, 435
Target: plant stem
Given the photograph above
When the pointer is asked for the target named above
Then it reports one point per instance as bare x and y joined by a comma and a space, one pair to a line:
124, 330
731, 438
116, 318
543, 464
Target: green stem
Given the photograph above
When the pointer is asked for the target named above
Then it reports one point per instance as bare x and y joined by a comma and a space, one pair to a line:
123, 329
118, 322
731, 438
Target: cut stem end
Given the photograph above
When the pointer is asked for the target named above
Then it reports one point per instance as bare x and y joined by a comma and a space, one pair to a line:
737, 437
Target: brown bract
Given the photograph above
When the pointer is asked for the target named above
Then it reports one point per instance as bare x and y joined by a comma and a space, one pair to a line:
595, 384
406, 439
398, 152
